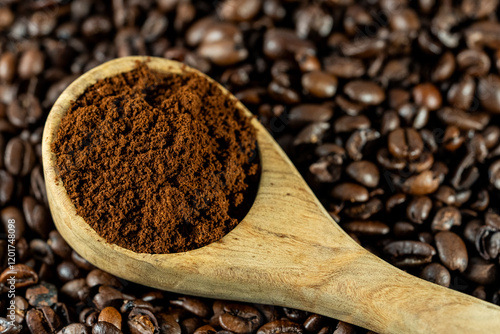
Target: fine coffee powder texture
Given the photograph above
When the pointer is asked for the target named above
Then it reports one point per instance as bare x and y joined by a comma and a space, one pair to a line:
158, 163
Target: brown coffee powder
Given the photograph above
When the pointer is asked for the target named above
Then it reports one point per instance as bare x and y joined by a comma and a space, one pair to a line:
157, 163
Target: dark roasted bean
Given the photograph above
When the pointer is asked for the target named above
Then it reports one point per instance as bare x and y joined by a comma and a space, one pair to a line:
451, 250
193, 305
240, 318
99, 277
427, 95
366, 227
19, 157
418, 209
365, 92
281, 326
305, 113
421, 184
461, 94
350, 192
43, 294
409, 253
481, 271
364, 172
436, 273
105, 328
11, 215
405, 144
319, 84
446, 218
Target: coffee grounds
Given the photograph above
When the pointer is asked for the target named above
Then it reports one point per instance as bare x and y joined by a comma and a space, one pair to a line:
157, 163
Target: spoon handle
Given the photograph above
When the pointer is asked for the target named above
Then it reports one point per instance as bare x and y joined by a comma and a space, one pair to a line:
370, 293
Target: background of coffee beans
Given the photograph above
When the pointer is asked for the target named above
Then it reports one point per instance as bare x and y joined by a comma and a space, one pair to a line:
390, 109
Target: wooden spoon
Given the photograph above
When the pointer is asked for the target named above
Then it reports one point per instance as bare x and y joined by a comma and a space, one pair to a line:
287, 251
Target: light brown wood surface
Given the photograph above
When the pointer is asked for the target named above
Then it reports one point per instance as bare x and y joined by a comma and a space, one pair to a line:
287, 251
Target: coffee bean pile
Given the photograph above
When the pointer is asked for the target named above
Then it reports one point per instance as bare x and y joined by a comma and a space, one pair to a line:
390, 109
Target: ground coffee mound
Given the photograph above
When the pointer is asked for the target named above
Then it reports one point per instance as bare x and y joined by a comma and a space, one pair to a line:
157, 163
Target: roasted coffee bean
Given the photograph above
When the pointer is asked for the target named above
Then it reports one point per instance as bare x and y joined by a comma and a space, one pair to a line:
350, 192
319, 84
21, 306
343, 67
427, 95
461, 94
105, 328
43, 294
41, 251
283, 94
37, 216
451, 250
19, 157
446, 218
223, 52
314, 323
67, 271
99, 277
403, 230
279, 42
108, 296
351, 123
167, 324
112, 316
418, 209
240, 318
31, 63
84, 264
72, 287
36, 322
481, 271
281, 326
474, 62
188, 325
409, 253
405, 144
207, 329
193, 305
436, 273
25, 276
365, 92
75, 328
366, 227
494, 173
386, 160
59, 245
13, 221
463, 120
452, 139
421, 184
364, 172
364, 210
357, 141
305, 113
7, 66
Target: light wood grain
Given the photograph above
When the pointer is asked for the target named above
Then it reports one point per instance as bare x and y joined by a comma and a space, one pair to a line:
287, 251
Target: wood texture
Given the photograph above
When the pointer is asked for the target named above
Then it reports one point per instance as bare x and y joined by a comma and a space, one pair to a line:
287, 251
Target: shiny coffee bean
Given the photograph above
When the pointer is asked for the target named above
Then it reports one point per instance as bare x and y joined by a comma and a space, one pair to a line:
19, 157
451, 250
319, 84
405, 144
409, 253
365, 92
418, 209
436, 273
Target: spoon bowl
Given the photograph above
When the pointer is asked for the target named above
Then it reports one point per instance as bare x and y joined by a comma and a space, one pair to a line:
287, 251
